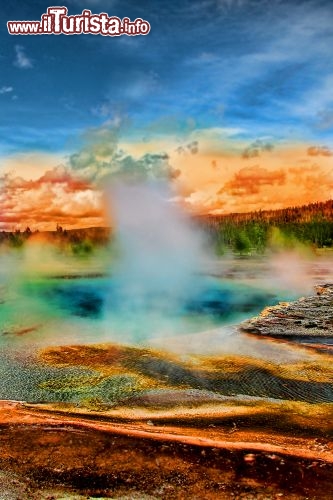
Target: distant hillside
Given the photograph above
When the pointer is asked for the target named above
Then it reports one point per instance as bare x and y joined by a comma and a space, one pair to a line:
79, 241
255, 231
299, 214
243, 232
98, 235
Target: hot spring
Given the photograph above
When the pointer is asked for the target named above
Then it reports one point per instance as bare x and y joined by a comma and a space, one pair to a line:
93, 308
153, 283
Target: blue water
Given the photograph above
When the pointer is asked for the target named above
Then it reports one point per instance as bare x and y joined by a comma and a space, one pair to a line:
89, 298
97, 305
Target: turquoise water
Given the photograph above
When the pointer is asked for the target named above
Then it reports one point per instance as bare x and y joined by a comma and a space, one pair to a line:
86, 309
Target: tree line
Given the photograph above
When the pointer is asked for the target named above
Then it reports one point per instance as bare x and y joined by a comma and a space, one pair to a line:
255, 231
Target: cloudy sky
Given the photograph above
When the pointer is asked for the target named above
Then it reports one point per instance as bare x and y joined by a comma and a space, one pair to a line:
232, 99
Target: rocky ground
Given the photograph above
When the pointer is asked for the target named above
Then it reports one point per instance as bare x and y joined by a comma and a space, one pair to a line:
48, 455
307, 317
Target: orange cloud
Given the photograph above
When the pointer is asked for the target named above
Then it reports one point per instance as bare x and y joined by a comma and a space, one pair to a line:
249, 180
286, 175
209, 176
319, 151
56, 197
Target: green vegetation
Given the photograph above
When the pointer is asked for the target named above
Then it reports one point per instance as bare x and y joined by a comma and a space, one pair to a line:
310, 225
77, 242
243, 233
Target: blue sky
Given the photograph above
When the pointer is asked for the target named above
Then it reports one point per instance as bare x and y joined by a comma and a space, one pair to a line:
262, 68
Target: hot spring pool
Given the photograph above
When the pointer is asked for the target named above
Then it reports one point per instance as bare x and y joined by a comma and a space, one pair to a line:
80, 310
94, 309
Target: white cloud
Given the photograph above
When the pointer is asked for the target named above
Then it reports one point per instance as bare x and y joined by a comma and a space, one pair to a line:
304, 37
6, 90
316, 101
22, 60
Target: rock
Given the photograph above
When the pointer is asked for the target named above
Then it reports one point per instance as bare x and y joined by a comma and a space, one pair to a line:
306, 317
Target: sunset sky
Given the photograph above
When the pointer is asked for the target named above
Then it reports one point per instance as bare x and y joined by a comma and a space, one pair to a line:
232, 100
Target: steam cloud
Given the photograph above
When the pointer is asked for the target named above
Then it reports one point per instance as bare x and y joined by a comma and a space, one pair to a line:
160, 251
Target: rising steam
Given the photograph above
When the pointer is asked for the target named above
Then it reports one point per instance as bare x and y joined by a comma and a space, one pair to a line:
160, 250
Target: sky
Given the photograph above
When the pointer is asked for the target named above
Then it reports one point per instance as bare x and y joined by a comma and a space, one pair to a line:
231, 100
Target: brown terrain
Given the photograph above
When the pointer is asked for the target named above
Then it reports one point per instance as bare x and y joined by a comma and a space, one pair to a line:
47, 454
